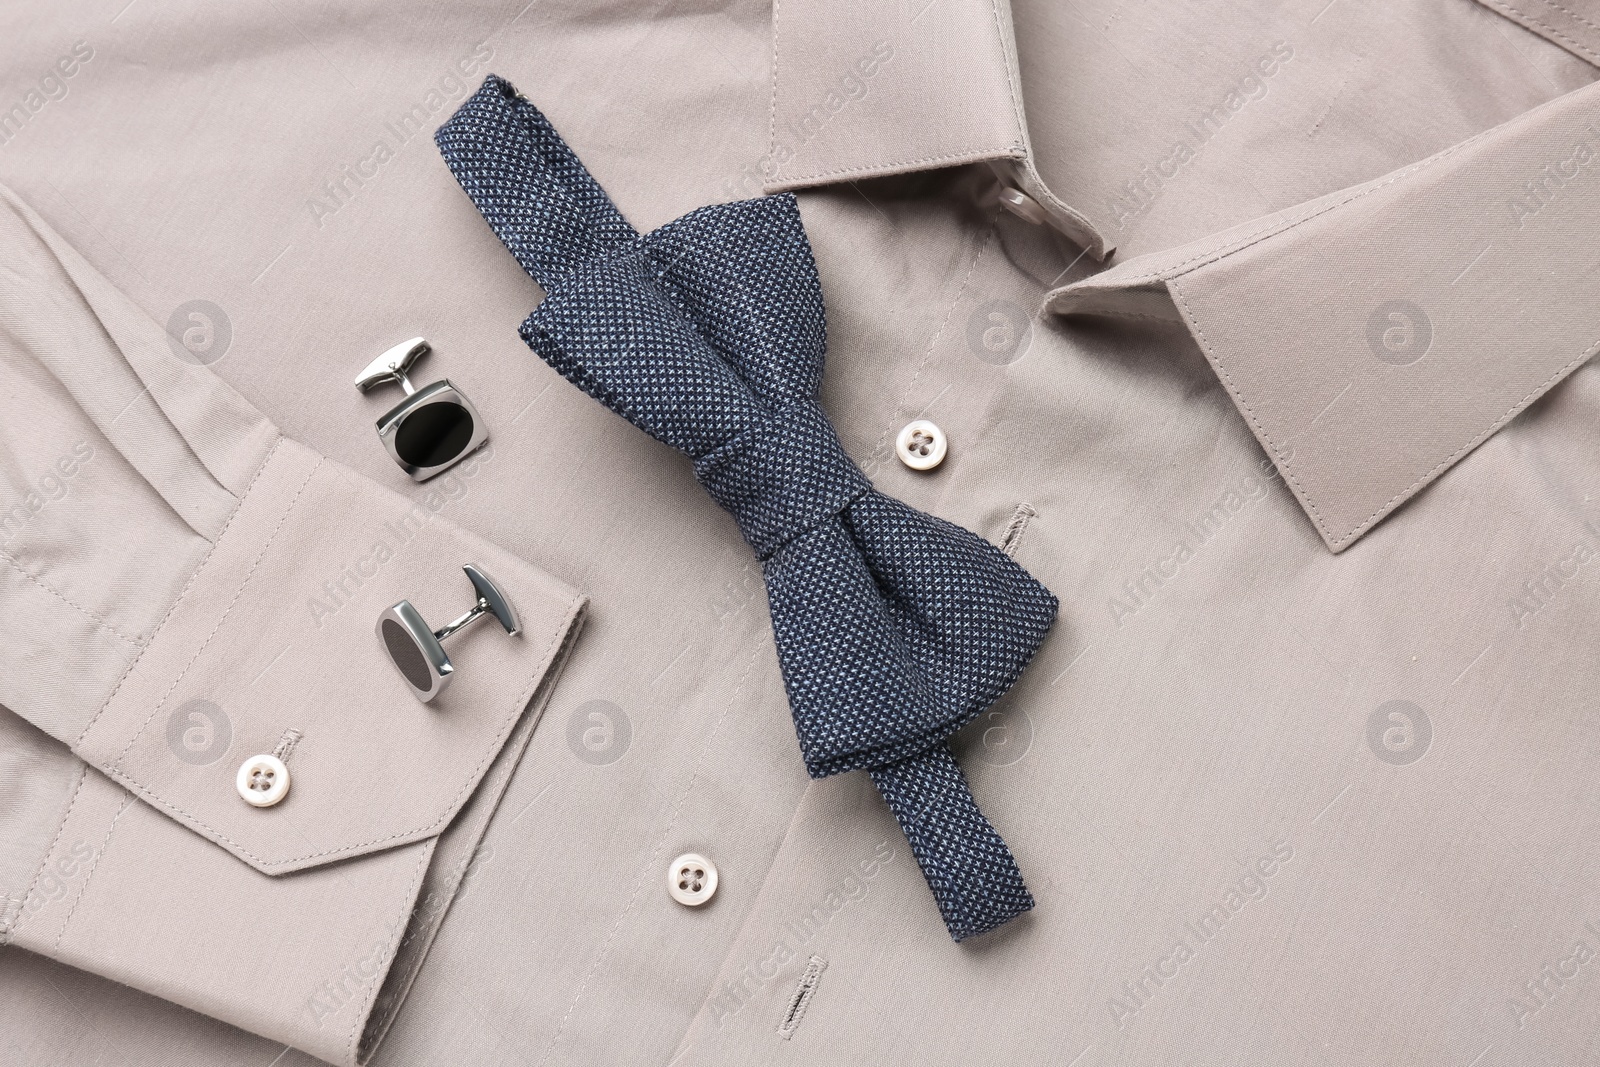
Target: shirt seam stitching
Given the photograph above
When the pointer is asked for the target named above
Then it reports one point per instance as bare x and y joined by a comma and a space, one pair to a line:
1517, 14
1285, 464
1012, 74
655, 853
277, 866
772, 103
878, 447
183, 593
1272, 229
33, 883
226, 612
1509, 414
1216, 361
100, 620
1576, 16
1119, 314
960, 155
400, 927
83, 888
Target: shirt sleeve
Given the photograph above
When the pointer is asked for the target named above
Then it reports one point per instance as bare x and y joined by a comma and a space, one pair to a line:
183, 588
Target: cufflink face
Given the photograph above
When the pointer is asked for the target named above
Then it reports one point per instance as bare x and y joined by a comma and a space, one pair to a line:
431, 430
417, 650
434, 427
414, 650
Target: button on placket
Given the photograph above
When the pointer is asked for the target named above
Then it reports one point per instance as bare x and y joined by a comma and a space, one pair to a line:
692, 879
921, 445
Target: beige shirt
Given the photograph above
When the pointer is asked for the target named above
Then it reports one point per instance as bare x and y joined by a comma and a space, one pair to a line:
1258, 333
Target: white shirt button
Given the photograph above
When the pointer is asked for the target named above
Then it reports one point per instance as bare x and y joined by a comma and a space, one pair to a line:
921, 445
1021, 205
262, 781
692, 879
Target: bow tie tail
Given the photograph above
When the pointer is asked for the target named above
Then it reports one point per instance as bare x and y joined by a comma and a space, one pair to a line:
972, 873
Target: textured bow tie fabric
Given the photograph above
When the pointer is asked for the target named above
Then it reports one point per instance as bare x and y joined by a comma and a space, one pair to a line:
893, 628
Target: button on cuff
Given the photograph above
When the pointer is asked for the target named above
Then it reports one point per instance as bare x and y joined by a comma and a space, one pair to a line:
262, 781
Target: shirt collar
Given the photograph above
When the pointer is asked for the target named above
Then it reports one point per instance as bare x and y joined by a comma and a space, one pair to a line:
1374, 337
858, 91
1371, 338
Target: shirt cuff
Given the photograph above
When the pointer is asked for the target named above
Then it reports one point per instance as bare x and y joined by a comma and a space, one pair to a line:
287, 920
186, 589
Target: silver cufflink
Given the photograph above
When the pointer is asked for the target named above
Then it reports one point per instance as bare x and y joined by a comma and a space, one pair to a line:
414, 647
433, 427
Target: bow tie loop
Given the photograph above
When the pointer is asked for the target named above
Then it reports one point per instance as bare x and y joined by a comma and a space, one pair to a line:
698, 332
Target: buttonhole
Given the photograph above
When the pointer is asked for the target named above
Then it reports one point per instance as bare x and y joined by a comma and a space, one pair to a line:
802, 996
286, 743
1016, 528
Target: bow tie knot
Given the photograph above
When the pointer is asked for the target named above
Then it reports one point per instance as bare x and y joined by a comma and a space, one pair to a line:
782, 477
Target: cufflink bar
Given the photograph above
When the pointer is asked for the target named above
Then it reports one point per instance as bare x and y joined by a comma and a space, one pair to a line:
434, 427
415, 648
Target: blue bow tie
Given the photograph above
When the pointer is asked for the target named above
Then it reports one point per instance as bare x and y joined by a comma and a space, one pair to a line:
893, 628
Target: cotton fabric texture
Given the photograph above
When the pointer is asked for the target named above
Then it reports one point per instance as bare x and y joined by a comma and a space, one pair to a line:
1283, 387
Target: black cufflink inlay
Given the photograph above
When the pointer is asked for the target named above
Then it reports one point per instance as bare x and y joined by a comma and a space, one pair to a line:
415, 648
434, 427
